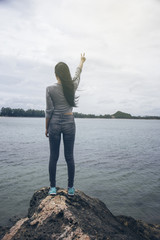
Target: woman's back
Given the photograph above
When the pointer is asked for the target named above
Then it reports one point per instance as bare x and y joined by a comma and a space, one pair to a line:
55, 98
59, 101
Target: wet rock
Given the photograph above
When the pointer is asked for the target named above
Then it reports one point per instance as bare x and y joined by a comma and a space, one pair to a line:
3, 230
145, 230
78, 217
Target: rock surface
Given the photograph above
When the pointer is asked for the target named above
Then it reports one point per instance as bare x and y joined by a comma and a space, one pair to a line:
78, 217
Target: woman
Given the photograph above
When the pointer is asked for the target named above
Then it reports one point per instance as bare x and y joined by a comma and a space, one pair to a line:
60, 100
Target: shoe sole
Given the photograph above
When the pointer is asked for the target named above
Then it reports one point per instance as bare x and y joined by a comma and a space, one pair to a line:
52, 193
70, 194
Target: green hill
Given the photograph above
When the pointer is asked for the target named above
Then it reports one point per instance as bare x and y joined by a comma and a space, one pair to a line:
120, 114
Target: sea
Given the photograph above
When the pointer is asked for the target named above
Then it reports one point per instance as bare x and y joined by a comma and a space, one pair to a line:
116, 160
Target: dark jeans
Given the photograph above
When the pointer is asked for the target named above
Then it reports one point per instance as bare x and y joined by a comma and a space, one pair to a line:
65, 125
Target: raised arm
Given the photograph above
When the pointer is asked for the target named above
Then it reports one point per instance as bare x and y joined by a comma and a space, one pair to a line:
76, 78
83, 59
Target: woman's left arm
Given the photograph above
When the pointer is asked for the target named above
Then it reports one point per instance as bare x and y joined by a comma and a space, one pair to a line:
49, 111
47, 125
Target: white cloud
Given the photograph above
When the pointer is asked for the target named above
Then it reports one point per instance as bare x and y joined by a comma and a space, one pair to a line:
121, 40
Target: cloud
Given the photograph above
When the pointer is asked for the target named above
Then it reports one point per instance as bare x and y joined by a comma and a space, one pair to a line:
121, 40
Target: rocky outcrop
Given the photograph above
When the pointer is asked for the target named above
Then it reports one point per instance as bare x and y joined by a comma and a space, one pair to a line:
78, 217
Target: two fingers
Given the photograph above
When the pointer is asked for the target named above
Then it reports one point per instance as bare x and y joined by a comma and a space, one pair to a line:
83, 55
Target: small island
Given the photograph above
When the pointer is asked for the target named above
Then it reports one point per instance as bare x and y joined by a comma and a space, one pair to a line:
19, 112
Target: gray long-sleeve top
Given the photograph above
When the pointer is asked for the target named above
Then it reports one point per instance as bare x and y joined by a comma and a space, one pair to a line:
55, 99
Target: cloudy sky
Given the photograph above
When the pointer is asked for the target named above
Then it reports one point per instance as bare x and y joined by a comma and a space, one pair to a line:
121, 39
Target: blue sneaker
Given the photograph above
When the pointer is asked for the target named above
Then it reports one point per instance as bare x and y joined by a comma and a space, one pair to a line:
52, 191
71, 191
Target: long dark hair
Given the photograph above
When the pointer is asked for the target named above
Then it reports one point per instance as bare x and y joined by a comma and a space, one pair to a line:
62, 71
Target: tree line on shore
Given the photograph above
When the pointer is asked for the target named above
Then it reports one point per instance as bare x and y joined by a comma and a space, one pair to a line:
19, 112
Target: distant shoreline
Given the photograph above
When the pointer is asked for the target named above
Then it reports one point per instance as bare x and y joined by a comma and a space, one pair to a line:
19, 112
135, 118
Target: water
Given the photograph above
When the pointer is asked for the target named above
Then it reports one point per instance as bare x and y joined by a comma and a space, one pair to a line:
116, 161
